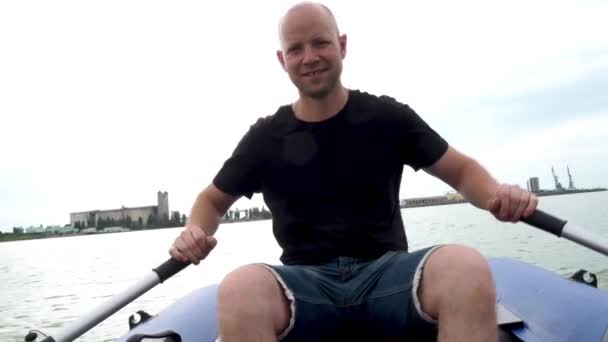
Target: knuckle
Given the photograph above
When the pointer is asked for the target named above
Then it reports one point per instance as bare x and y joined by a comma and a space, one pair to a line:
200, 239
503, 191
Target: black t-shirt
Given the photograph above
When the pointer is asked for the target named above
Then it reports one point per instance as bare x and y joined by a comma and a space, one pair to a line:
333, 186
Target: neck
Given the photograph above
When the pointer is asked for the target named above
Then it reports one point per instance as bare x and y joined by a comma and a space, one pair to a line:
318, 109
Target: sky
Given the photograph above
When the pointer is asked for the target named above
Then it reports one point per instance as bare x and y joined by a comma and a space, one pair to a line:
102, 104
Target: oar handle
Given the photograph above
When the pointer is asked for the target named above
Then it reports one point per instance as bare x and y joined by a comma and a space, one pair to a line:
546, 222
169, 268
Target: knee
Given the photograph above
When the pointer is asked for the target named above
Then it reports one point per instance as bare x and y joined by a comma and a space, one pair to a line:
454, 271
459, 258
249, 292
244, 285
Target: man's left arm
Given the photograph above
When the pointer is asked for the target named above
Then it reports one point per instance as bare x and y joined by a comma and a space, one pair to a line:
468, 177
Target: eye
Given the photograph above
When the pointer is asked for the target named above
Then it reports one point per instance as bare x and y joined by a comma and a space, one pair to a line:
294, 49
321, 43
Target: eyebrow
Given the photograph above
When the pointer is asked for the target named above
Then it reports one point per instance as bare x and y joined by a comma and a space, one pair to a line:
290, 46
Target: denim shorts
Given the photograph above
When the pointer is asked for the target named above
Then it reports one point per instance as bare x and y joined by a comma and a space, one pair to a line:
350, 299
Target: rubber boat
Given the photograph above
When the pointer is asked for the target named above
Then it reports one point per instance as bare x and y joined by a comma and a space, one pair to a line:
533, 304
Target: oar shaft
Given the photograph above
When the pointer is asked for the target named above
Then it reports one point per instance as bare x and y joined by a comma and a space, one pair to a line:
563, 229
88, 321
585, 238
161, 273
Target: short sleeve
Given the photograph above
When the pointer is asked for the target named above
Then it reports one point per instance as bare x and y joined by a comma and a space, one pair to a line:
418, 144
240, 175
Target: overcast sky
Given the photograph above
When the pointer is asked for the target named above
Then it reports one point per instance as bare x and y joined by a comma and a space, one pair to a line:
104, 103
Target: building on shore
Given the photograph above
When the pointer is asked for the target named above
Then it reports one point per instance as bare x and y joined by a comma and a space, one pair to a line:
158, 212
60, 229
533, 184
449, 198
115, 230
34, 230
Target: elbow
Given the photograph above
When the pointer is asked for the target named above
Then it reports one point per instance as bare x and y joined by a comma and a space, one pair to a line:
208, 201
216, 200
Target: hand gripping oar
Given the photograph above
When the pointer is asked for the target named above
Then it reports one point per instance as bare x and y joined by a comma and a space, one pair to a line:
158, 275
561, 228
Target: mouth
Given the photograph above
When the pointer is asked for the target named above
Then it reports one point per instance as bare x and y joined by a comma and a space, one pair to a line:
314, 73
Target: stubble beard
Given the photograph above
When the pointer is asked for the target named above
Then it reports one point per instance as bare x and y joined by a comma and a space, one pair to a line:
319, 91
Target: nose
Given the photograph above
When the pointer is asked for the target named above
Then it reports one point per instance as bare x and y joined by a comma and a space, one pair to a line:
310, 55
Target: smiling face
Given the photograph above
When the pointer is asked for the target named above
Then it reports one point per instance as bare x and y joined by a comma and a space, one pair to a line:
311, 50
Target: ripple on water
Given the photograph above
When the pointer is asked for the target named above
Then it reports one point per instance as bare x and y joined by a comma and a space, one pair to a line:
102, 296
60, 296
54, 325
602, 272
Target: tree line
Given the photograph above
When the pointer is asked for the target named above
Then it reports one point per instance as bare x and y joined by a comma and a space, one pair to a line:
247, 215
153, 221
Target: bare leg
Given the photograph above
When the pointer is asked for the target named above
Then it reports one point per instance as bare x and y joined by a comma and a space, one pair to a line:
251, 306
457, 289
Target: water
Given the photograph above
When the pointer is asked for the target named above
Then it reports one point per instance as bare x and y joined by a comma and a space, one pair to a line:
47, 283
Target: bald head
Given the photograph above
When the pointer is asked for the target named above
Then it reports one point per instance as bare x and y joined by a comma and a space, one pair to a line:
312, 49
294, 17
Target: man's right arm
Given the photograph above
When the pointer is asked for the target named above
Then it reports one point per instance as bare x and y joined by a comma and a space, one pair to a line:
196, 240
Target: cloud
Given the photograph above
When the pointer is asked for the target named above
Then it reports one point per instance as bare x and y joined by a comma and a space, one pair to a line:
556, 99
579, 143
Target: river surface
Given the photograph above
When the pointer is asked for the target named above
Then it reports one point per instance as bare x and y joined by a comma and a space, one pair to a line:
47, 283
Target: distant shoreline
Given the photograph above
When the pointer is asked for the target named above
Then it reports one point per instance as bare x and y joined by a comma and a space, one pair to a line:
420, 202
567, 192
413, 203
9, 237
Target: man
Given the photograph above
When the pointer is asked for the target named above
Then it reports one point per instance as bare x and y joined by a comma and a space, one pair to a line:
329, 166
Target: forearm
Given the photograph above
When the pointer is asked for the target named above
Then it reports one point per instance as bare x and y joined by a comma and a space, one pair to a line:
476, 184
205, 214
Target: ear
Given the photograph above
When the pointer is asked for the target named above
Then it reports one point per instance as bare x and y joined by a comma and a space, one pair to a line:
281, 58
342, 40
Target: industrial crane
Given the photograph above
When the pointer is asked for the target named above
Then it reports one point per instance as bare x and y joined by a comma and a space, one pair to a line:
558, 185
570, 182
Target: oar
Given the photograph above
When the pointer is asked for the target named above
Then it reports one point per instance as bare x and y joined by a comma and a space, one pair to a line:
158, 275
561, 228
